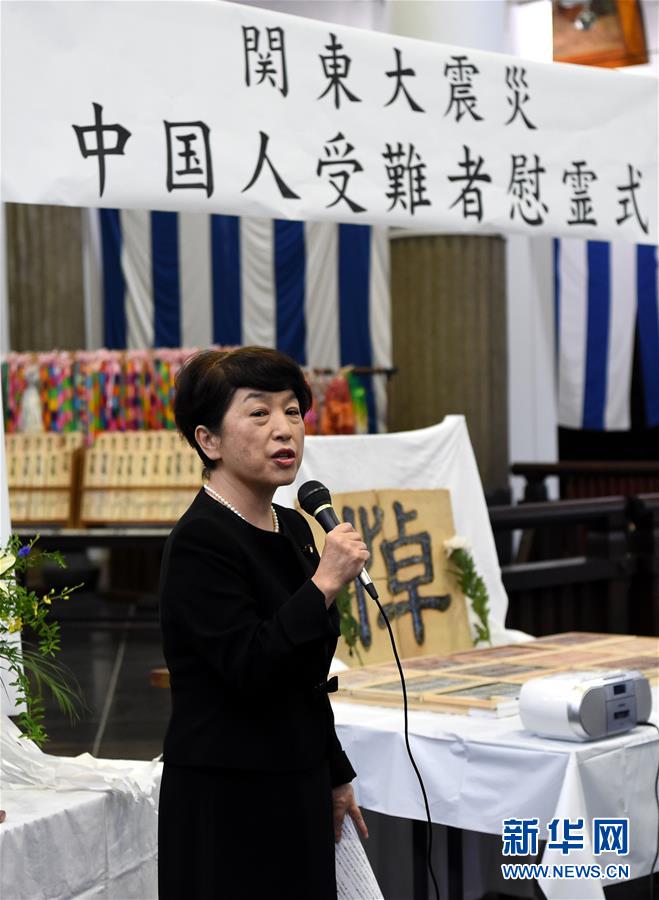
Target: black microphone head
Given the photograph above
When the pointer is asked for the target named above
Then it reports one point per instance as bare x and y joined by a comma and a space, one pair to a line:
311, 495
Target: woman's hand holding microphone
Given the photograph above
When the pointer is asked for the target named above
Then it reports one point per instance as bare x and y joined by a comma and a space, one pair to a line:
342, 559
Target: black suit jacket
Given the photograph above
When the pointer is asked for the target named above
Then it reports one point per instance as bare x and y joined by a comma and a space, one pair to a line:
248, 641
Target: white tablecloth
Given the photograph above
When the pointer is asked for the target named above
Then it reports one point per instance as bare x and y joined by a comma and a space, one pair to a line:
77, 844
479, 771
76, 827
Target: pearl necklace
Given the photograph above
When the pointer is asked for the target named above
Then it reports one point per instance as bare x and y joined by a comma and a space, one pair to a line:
220, 499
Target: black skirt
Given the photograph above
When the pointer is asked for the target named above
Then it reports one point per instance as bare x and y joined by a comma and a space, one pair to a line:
233, 835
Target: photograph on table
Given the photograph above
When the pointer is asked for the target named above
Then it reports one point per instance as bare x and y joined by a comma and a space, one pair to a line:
505, 670
488, 681
424, 663
642, 645
569, 638
505, 651
603, 657
418, 689
648, 665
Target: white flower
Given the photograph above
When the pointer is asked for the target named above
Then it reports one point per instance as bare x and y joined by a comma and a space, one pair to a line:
7, 560
14, 624
457, 542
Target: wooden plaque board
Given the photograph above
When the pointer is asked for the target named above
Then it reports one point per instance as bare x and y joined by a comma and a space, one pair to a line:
404, 531
139, 478
43, 472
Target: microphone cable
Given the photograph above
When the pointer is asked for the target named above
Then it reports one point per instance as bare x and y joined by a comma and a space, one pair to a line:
315, 499
407, 743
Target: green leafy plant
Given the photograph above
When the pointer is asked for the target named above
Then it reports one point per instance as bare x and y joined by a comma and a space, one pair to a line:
32, 665
348, 624
471, 584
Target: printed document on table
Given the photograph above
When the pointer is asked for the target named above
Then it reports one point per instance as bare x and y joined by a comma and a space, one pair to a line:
354, 877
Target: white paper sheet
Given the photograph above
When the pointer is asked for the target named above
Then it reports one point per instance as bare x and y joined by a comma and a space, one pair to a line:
354, 877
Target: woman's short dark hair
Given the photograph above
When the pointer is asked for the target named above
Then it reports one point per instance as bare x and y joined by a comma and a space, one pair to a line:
207, 381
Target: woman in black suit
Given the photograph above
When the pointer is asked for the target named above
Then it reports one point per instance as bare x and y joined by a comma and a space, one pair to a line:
255, 784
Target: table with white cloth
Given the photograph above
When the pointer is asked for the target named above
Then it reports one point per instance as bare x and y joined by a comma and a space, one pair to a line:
76, 827
81, 844
479, 771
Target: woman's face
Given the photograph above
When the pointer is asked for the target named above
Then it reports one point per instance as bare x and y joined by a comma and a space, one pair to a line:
261, 439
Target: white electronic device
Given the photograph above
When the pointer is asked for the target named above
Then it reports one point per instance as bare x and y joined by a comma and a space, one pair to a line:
585, 706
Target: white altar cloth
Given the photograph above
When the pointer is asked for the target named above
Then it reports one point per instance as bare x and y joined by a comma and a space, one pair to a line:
75, 845
76, 827
479, 771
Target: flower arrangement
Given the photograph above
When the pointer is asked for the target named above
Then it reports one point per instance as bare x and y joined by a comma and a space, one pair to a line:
32, 666
458, 552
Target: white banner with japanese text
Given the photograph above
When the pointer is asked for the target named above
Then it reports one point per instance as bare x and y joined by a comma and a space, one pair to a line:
216, 107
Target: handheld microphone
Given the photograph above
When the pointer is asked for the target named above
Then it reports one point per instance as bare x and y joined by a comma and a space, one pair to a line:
314, 498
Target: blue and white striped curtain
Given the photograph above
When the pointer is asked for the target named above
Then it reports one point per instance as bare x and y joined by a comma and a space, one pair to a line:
603, 293
317, 291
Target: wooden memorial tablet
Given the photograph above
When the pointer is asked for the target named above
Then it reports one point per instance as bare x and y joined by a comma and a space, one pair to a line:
405, 533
